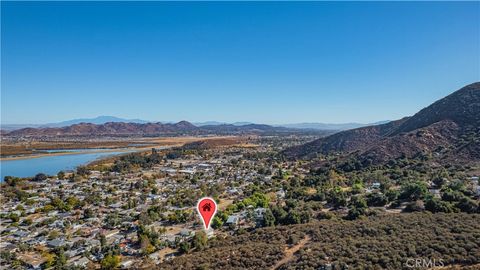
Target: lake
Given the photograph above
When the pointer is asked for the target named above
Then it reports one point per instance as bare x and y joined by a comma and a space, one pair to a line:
50, 165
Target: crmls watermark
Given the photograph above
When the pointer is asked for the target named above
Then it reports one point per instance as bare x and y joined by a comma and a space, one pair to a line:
424, 263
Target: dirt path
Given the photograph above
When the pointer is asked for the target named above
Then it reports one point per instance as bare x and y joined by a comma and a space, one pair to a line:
290, 251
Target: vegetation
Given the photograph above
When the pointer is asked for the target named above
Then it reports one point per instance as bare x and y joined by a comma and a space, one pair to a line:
378, 242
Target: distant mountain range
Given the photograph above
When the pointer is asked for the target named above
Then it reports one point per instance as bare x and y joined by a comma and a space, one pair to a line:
148, 129
106, 119
448, 131
109, 128
97, 120
215, 123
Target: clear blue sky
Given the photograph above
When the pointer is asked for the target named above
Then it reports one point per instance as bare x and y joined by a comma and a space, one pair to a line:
262, 62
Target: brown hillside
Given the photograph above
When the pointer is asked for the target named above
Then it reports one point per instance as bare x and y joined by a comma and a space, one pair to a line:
448, 129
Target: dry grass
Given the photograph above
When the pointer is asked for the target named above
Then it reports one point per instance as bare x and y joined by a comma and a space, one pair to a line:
224, 204
30, 149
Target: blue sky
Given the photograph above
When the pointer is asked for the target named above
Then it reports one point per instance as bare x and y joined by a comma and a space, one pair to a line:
264, 62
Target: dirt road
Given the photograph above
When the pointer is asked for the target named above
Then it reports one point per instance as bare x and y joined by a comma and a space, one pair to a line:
290, 251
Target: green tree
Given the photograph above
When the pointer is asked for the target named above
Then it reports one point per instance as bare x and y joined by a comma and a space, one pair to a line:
61, 175
413, 191
13, 217
354, 213
358, 202
83, 171
435, 205
185, 247
110, 262
61, 260
377, 199
49, 259
103, 241
415, 206
468, 205
146, 245
88, 213
12, 181
40, 177
200, 240
280, 214
268, 218
293, 217
217, 222
338, 199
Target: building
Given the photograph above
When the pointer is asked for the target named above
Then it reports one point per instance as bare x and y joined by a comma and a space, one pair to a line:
32, 259
232, 220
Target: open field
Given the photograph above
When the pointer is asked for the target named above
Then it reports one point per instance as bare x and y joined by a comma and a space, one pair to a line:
36, 147
21, 150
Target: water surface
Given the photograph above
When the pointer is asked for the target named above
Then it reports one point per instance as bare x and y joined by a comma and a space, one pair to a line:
50, 165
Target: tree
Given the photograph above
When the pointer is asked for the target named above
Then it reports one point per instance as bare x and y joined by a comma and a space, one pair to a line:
11, 181
358, 202
354, 213
185, 247
293, 239
112, 220
110, 262
377, 199
40, 177
83, 171
441, 178
217, 222
7, 256
439, 181
305, 216
103, 241
413, 191
435, 205
392, 195
49, 259
338, 199
468, 205
88, 213
61, 175
200, 240
61, 260
280, 214
13, 217
53, 234
293, 217
452, 195
146, 245
268, 218
27, 222
357, 188
72, 202
415, 206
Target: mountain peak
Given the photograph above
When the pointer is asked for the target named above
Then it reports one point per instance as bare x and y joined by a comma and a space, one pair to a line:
450, 123
462, 107
185, 125
102, 119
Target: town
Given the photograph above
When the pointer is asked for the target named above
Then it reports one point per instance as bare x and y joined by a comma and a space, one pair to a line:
144, 213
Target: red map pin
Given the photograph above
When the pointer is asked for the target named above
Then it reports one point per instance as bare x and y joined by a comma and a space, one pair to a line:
206, 207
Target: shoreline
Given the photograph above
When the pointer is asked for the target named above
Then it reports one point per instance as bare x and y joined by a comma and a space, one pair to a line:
69, 153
